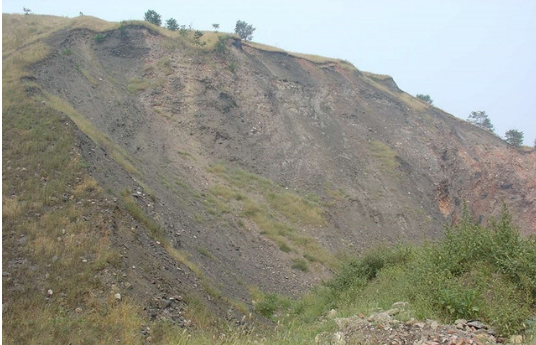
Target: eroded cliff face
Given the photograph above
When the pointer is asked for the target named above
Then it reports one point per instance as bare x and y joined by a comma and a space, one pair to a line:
381, 165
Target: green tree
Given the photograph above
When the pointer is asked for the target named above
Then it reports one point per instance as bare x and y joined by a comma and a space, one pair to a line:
171, 24
153, 17
216, 27
244, 30
183, 31
197, 38
514, 137
221, 45
425, 98
480, 119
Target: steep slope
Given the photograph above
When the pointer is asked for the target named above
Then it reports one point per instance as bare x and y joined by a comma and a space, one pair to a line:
381, 165
256, 167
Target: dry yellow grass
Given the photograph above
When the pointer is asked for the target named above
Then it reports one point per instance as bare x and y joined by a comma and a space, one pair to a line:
10, 208
317, 59
412, 102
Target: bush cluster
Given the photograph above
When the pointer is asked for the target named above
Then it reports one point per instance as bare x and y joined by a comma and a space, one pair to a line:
476, 272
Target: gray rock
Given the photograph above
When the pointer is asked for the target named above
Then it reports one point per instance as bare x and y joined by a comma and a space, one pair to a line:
322, 339
460, 323
434, 325
477, 325
393, 311
338, 339
400, 305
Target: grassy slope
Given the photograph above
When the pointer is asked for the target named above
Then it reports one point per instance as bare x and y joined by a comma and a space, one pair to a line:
45, 239
41, 165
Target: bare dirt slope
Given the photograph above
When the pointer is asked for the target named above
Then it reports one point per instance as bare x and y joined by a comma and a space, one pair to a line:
267, 127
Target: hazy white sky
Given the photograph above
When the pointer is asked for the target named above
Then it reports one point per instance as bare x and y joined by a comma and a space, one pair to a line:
466, 54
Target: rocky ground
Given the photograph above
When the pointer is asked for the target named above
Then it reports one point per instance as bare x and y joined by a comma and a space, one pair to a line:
396, 327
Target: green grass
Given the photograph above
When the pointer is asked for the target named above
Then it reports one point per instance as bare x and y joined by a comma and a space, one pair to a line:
300, 264
385, 156
41, 166
275, 212
138, 84
477, 272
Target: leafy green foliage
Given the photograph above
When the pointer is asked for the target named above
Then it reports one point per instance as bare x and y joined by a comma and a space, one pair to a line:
171, 24
153, 17
482, 272
268, 304
425, 98
197, 38
481, 119
244, 30
360, 270
232, 67
221, 46
514, 137
183, 31
99, 38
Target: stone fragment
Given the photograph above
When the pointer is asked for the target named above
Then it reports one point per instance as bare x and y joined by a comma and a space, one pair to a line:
338, 339
477, 324
516, 339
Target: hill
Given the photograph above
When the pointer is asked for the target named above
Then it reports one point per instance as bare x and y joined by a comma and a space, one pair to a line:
144, 170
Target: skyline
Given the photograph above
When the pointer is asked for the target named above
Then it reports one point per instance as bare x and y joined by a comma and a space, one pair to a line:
468, 56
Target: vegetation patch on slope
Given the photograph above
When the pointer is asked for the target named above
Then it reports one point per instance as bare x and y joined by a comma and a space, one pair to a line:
477, 272
277, 213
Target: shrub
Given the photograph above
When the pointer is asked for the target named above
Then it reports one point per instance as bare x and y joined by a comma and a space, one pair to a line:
232, 67
360, 270
183, 31
477, 272
221, 45
425, 98
171, 24
268, 305
480, 119
514, 137
244, 30
197, 38
153, 17
99, 38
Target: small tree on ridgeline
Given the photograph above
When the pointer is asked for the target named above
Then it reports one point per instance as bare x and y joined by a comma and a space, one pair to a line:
514, 137
197, 38
216, 27
153, 17
425, 98
244, 30
27, 10
171, 24
480, 119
